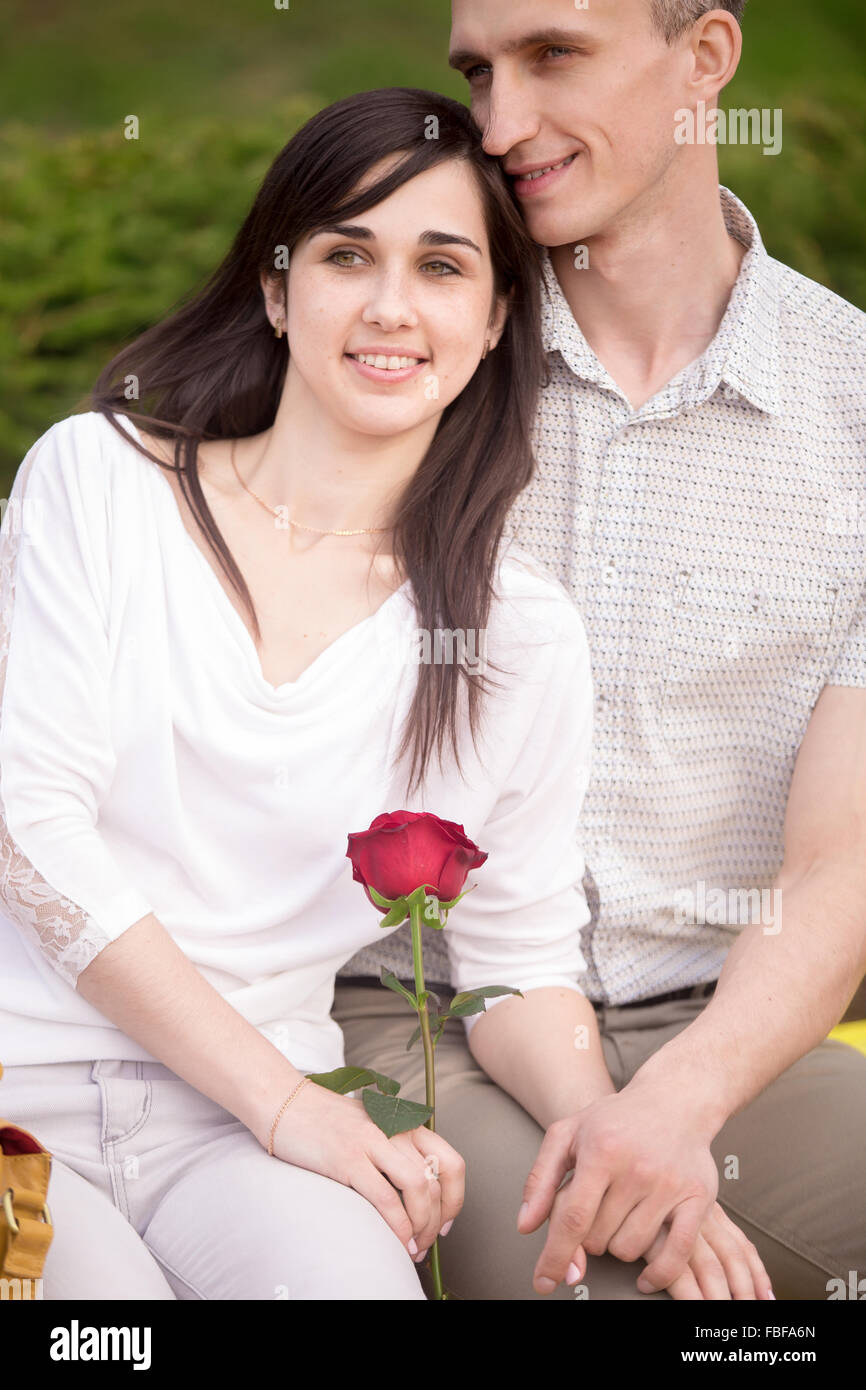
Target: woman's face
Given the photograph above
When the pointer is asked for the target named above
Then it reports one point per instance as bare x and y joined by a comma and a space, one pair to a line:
408, 279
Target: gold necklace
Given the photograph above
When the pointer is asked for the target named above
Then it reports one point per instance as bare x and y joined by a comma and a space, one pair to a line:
363, 531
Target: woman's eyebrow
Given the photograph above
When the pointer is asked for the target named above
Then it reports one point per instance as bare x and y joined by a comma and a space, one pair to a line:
347, 229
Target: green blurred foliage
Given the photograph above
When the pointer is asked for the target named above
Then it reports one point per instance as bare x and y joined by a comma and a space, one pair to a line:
100, 236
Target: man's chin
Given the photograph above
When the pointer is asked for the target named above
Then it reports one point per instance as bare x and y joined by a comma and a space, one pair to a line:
555, 228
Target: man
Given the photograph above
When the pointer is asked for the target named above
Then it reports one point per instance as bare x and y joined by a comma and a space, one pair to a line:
700, 444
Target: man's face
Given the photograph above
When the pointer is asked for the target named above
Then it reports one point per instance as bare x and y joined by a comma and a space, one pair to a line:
596, 86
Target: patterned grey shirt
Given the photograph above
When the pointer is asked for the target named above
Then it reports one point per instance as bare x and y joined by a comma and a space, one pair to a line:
714, 541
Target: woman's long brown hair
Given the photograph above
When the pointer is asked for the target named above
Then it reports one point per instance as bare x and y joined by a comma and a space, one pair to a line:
214, 369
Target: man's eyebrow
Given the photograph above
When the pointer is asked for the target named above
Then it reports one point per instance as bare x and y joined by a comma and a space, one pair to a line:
357, 233
464, 57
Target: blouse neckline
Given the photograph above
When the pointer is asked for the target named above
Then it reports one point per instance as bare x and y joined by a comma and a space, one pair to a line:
233, 618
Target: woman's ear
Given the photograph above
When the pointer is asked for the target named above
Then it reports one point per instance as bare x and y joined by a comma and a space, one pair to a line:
496, 327
274, 290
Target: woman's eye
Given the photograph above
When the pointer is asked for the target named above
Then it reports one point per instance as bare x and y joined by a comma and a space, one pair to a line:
334, 254
450, 269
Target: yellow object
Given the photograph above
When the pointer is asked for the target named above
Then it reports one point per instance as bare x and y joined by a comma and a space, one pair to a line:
852, 1033
25, 1221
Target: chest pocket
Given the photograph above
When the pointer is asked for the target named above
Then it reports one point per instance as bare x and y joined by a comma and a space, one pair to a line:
747, 658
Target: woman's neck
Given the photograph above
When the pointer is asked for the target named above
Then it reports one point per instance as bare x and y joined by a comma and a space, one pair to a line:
327, 475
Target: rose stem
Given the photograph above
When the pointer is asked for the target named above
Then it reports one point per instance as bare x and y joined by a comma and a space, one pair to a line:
424, 1020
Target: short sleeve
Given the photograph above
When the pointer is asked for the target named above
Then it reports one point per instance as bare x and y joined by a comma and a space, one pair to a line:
58, 880
521, 924
849, 667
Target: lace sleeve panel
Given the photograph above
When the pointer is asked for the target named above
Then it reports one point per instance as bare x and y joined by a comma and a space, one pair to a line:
66, 934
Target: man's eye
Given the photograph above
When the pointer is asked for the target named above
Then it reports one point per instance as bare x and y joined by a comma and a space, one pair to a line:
475, 71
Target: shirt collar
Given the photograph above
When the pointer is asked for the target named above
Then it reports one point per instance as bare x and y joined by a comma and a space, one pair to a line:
744, 355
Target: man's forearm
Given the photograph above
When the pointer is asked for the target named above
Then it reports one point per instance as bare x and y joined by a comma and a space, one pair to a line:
545, 1051
145, 984
778, 995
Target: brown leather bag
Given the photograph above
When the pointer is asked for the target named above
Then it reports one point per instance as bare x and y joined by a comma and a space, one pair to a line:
26, 1230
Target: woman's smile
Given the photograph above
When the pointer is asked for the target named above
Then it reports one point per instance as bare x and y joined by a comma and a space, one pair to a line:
382, 367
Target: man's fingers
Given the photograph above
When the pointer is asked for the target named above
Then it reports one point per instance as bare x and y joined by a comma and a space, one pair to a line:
642, 1233
554, 1160
574, 1210
679, 1245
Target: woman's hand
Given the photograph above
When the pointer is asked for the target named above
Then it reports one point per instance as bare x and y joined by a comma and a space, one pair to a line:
725, 1264
333, 1135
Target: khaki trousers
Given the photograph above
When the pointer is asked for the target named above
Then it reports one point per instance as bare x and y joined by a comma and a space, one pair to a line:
799, 1151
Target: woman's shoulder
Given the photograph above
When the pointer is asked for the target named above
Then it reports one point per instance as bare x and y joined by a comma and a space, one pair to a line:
83, 443
531, 599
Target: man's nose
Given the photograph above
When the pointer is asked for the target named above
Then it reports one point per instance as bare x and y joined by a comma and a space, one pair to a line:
507, 118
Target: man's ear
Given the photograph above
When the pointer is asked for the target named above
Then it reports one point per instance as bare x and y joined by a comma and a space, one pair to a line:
717, 45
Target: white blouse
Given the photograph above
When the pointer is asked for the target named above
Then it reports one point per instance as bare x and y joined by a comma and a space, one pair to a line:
146, 765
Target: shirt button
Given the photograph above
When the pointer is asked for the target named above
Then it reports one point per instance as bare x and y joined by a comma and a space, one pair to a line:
609, 574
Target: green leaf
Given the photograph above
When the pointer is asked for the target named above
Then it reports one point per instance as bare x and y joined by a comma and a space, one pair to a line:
446, 907
430, 912
389, 979
414, 1038
346, 1079
472, 1001
393, 1115
397, 908
377, 897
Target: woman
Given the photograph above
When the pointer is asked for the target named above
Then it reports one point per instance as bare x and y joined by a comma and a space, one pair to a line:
210, 610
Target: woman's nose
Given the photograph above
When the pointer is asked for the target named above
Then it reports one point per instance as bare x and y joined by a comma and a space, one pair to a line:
391, 303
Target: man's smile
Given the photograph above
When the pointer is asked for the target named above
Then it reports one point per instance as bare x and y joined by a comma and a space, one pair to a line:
533, 178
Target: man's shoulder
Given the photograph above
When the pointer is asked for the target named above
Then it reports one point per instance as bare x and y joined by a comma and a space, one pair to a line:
817, 311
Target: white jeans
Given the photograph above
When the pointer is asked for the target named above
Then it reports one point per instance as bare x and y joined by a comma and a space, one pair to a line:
157, 1192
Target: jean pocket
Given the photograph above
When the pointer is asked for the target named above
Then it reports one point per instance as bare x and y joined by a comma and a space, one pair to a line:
746, 659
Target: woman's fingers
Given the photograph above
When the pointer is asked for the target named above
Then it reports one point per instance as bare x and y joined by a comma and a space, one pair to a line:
744, 1269
686, 1289
372, 1184
401, 1162
577, 1268
445, 1164
709, 1272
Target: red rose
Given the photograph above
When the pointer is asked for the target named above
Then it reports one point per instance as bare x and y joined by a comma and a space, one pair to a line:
404, 850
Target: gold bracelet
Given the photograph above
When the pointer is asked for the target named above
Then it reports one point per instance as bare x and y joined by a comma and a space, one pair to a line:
286, 1102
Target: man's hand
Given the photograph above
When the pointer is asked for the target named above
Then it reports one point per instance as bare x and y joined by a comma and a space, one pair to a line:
638, 1163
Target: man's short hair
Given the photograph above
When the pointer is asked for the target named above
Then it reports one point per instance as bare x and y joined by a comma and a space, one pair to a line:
673, 17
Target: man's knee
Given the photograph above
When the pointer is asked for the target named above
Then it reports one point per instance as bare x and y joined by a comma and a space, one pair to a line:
791, 1171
